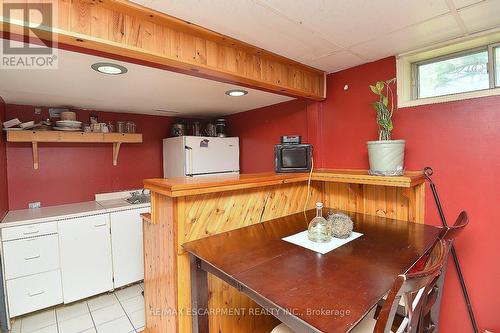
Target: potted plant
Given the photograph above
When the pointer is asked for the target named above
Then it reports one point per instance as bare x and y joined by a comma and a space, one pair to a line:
386, 156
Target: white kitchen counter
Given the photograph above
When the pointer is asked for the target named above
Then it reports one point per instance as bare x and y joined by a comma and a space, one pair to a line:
61, 212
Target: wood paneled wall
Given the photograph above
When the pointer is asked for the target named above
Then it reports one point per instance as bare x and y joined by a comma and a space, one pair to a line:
400, 203
160, 266
120, 27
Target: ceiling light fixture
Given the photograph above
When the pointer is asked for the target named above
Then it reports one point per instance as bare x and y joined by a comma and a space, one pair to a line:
236, 92
109, 68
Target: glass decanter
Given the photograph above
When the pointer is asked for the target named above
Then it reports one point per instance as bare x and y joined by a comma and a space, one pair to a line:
319, 230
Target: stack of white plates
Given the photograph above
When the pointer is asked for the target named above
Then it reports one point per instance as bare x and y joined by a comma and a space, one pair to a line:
68, 125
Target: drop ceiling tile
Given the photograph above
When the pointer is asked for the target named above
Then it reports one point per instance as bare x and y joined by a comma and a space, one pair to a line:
411, 38
482, 16
347, 23
337, 61
250, 21
464, 3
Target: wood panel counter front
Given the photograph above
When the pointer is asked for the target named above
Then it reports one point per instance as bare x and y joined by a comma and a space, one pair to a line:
186, 209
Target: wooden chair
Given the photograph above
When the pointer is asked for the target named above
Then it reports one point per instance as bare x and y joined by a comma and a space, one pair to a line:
448, 233
419, 291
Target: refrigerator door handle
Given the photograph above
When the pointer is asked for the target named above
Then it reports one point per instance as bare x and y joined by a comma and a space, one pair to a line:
189, 160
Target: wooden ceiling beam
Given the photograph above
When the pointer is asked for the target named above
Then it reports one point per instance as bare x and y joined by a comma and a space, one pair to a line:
125, 29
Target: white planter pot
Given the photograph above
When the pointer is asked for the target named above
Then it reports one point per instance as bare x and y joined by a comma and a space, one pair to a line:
386, 157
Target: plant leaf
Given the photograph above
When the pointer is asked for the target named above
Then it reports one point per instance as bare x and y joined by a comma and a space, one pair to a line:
385, 100
375, 90
380, 86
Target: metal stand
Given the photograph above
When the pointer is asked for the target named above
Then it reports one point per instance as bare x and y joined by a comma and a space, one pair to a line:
427, 174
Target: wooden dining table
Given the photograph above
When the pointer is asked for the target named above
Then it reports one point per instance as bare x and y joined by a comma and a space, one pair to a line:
306, 290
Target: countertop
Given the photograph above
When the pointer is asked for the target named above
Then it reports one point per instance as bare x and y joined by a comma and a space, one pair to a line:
182, 186
60, 212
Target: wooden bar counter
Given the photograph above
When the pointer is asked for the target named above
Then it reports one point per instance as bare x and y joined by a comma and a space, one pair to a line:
186, 209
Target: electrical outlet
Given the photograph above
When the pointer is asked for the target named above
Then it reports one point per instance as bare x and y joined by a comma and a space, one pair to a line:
38, 110
34, 205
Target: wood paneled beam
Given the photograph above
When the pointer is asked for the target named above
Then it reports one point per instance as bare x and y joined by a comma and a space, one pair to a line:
123, 29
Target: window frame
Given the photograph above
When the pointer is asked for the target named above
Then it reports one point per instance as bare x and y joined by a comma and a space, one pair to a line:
491, 69
493, 65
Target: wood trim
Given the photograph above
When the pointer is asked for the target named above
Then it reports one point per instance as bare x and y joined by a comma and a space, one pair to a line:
125, 29
177, 187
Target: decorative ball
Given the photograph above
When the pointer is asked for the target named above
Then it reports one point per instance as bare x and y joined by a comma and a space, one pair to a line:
342, 225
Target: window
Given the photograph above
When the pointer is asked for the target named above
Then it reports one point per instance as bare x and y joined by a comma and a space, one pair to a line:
465, 68
454, 74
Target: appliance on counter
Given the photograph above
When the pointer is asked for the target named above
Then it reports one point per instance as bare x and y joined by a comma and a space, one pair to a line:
178, 129
196, 156
220, 127
292, 155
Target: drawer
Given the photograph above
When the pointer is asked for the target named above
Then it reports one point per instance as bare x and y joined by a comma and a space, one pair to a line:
29, 230
34, 292
30, 256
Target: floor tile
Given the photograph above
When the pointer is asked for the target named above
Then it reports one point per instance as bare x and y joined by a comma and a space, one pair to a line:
120, 325
90, 330
48, 329
138, 319
76, 325
38, 320
129, 292
106, 314
133, 304
67, 312
102, 302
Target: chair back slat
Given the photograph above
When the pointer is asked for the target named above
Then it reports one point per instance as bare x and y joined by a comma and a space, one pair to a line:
417, 290
450, 233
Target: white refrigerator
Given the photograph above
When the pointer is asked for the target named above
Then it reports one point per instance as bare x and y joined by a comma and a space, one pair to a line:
197, 156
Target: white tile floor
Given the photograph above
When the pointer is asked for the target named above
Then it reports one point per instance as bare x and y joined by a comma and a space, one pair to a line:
119, 312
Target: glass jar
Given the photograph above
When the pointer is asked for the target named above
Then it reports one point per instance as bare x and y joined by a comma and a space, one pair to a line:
120, 127
319, 230
111, 127
130, 127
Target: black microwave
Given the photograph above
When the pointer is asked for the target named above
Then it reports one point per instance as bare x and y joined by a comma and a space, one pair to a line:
292, 157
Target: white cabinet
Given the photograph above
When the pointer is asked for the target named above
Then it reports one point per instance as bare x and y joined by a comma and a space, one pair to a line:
34, 292
31, 267
29, 256
85, 252
126, 245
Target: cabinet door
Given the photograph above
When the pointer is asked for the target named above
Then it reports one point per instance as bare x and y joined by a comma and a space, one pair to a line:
85, 246
126, 245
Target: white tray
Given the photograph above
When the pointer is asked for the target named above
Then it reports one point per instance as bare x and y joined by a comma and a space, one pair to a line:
301, 239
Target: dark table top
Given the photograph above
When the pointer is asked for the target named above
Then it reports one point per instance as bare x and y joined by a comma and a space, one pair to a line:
331, 292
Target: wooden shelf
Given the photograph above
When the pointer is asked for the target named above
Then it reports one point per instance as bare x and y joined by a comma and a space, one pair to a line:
36, 137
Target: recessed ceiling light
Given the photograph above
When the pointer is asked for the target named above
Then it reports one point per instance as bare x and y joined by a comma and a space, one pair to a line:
109, 68
166, 111
236, 92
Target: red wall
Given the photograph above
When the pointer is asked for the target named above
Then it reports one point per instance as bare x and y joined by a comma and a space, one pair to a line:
460, 140
260, 129
75, 172
4, 202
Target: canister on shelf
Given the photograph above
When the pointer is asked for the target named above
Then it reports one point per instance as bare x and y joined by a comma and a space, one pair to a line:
120, 127
130, 127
